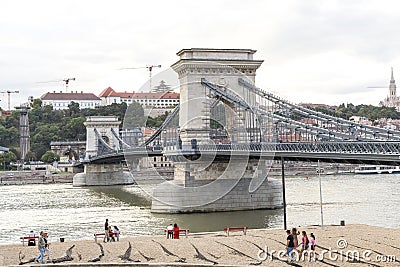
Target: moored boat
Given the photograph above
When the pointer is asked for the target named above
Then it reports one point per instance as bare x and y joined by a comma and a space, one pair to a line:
376, 169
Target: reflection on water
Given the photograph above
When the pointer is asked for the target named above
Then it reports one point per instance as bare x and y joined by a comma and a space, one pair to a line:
216, 221
131, 198
78, 213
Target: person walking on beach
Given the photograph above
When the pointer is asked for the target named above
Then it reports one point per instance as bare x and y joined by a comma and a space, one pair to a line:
295, 233
41, 245
106, 232
304, 243
46, 245
176, 231
289, 245
313, 243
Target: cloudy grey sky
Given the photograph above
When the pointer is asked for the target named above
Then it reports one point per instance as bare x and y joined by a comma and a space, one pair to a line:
315, 51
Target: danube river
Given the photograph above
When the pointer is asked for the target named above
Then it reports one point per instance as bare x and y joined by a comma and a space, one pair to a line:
79, 212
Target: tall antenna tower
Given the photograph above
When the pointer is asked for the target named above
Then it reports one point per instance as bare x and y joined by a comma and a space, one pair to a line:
24, 133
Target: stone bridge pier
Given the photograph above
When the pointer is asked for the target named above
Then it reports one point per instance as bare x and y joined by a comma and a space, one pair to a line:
223, 185
102, 174
206, 183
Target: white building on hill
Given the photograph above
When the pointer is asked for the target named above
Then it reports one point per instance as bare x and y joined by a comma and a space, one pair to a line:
61, 100
147, 100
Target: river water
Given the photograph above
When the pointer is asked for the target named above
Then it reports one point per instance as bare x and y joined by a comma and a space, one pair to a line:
78, 212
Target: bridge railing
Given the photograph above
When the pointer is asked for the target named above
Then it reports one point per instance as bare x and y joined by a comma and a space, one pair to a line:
309, 147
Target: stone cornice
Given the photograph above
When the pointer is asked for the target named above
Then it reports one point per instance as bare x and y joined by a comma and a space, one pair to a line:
250, 51
212, 67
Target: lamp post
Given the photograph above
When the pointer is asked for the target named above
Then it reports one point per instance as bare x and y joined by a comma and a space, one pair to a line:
320, 194
283, 193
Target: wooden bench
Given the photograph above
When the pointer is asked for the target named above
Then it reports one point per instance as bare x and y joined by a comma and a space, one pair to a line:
181, 231
98, 235
27, 238
238, 228
101, 235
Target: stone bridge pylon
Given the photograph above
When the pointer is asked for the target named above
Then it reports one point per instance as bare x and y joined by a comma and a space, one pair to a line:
205, 183
102, 138
100, 135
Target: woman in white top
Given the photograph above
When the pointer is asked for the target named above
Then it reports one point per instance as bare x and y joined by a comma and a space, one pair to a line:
116, 233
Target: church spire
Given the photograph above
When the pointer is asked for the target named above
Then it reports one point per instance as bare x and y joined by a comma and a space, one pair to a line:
392, 79
392, 92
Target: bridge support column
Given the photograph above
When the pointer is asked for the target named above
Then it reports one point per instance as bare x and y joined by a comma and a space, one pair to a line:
219, 186
102, 174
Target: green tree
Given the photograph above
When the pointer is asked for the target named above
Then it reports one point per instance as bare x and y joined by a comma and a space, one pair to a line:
43, 135
36, 104
134, 116
6, 158
50, 157
30, 156
73, 109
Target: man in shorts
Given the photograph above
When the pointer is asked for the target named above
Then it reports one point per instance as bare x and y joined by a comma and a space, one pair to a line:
106, 232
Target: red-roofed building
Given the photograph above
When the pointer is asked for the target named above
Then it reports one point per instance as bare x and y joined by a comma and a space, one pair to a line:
155, 100
61, 100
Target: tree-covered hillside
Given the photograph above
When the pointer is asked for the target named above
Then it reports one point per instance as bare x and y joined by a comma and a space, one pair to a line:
48, 125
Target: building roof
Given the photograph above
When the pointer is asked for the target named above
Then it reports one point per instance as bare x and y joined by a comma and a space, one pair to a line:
69, 96
106, 92
109, 92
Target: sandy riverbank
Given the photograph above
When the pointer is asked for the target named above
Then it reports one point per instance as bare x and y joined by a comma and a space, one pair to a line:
373, 244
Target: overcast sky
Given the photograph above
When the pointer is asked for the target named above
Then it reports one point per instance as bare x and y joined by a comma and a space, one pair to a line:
313, 50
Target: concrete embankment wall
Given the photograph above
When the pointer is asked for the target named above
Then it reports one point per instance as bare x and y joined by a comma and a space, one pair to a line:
36, 179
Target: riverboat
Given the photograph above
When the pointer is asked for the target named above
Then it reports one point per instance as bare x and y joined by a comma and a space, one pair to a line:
376, 169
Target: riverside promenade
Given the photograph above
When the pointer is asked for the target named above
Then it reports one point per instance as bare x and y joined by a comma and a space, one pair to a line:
351, 245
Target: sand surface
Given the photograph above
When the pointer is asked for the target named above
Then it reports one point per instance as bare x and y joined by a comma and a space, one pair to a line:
376, 246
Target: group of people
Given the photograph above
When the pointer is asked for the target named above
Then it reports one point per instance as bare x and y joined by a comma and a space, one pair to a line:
292, 243
173, 231
43, 247
110, 234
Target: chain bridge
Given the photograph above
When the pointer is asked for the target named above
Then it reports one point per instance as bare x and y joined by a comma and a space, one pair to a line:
224, 136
